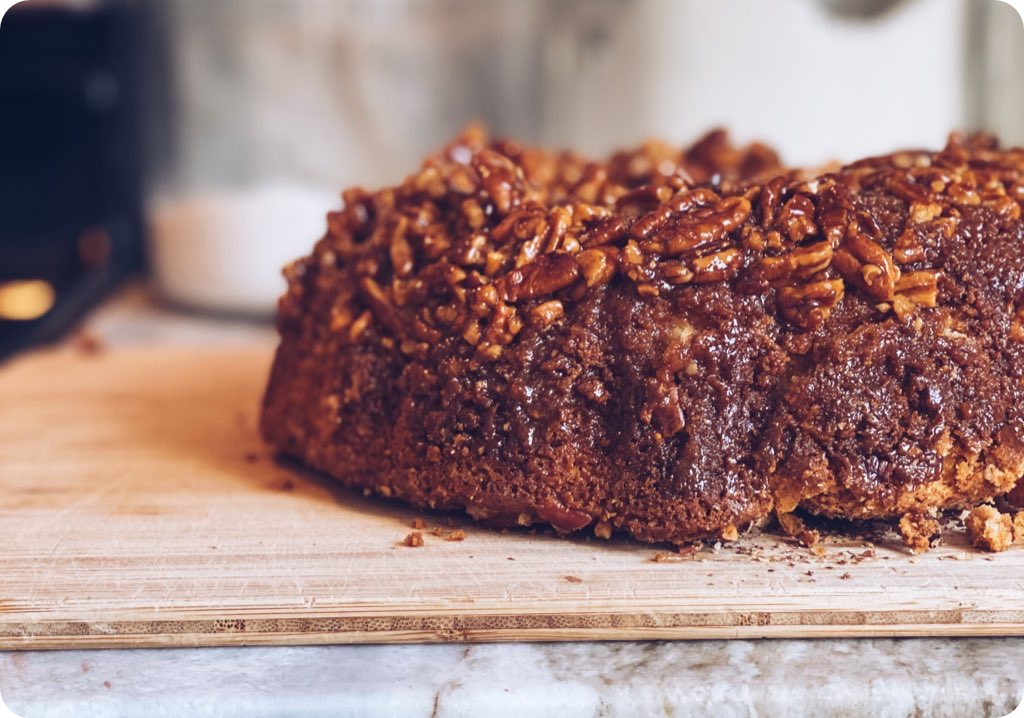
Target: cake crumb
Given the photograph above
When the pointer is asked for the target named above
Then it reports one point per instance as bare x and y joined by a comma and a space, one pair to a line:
457, 535
574, 579
989, 529
418, 523
86, 343
794, 526
918, 530
1018, 527
413, 540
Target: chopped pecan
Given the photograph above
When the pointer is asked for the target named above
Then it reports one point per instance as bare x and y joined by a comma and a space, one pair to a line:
675, 272
704, 228
1017, 326
802, 263
598, 264
563, 519
718, 266
771, 200
543, 315
559, 221
916, 289
809, 305
797, 216
631, 253
525, 222
545, 275
611, 229
864, 264
400, 250
908, 249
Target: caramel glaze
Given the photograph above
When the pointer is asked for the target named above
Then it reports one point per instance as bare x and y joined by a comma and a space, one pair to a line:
672, 344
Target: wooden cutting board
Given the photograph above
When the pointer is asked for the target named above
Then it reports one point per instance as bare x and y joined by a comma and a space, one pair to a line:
138, 507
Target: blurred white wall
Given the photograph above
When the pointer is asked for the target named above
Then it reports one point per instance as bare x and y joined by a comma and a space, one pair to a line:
998, 100
815, 83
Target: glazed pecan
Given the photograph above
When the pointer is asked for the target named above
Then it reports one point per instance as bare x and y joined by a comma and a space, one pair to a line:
809, 305
718, 266
800, 264
916, 289
547, 313
545, 275
703, 229
598, 264
865, 265
1017, 327
797, 217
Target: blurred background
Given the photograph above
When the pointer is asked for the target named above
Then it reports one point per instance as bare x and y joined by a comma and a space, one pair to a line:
194, 146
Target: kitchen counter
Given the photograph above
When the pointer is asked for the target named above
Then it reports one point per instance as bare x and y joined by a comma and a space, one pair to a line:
878, 677
881, 678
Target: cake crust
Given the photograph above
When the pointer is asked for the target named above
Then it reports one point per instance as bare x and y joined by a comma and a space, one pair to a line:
673, 344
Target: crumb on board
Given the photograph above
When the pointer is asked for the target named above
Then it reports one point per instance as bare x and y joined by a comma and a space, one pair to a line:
918, 530
1018, 527
281, 483
418, 523
457, 535
87, 343
413, 540
730, 533
989, 529
794, 526
574, 579
846, 576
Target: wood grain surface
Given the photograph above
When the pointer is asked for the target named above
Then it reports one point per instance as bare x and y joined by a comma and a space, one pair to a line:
138, 507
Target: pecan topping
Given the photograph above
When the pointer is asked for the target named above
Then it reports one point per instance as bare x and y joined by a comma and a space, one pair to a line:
488, 236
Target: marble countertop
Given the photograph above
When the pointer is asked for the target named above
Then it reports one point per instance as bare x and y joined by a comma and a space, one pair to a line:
792, 678
881, 678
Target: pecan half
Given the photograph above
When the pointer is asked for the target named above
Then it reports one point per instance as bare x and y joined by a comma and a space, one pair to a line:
916, 289
864, 264
809, 305
598, 264
801, 263
545, 275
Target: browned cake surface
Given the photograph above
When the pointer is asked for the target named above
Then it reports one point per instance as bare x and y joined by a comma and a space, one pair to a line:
673, 344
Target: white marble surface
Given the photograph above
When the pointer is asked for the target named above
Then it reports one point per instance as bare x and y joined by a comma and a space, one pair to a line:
882, 678
960, 678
